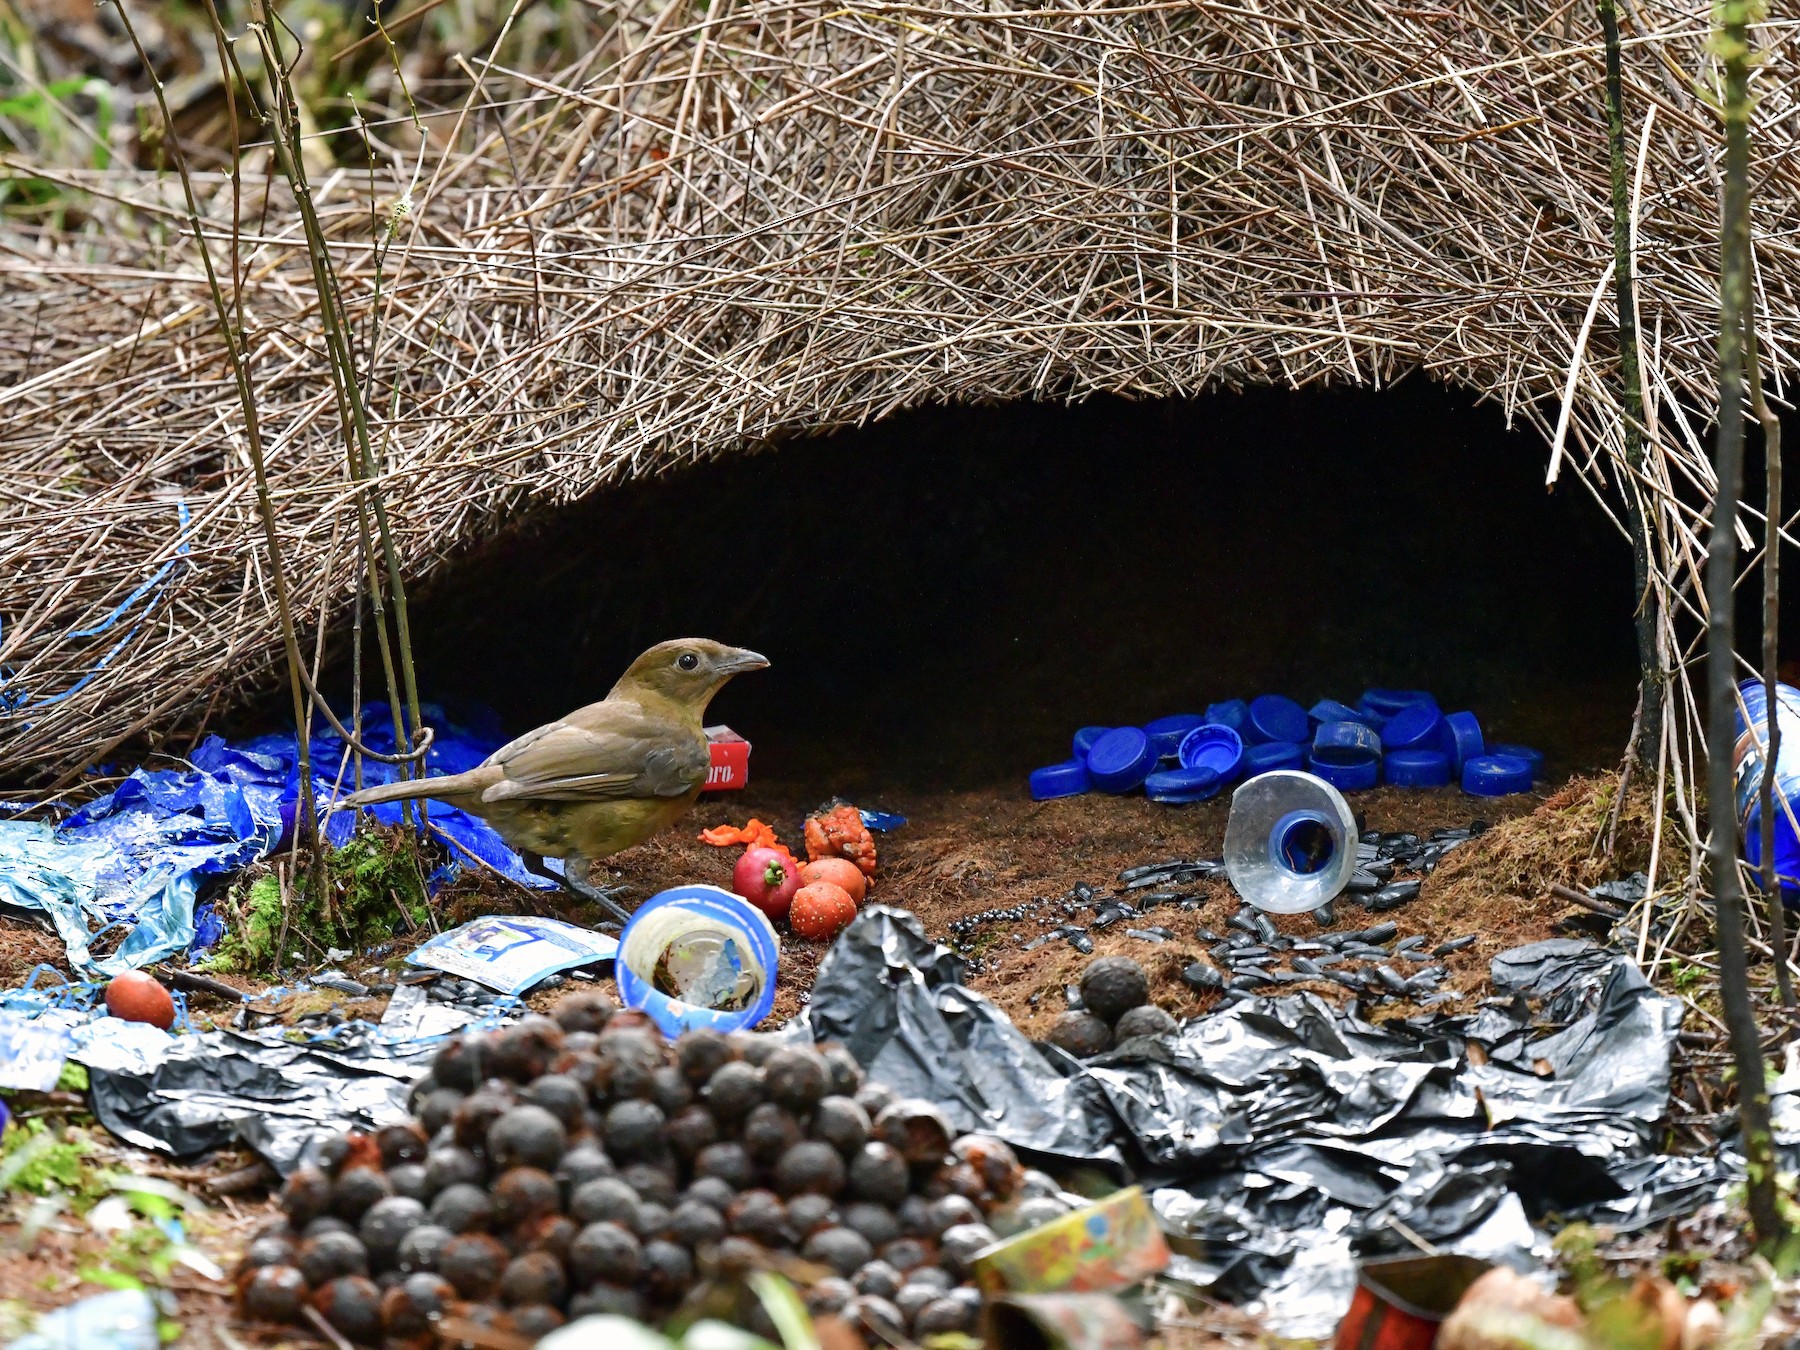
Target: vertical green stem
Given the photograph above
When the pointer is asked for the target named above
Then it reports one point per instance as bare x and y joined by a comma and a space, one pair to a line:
1731, 44
1631, 397
1771, 660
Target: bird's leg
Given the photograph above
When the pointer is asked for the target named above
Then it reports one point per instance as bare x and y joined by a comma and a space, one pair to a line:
578, 886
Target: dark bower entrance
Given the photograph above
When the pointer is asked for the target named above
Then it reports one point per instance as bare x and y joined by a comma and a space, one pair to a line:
947, 595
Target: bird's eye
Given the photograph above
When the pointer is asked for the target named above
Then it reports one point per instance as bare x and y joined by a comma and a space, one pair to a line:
687, 660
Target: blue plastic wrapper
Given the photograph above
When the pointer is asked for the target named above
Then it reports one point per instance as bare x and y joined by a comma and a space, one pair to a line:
137, 857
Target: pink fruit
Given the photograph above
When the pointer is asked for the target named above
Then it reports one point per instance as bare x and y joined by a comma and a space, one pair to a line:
767, 878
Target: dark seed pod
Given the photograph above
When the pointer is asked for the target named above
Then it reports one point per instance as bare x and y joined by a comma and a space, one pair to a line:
534, 1321
458, 1065
605, 1200
809, 1213
830, 1295
352, 1305
908, 1255
914, 1214
878, 1315
914, 1298
582, 1164
736, 1257
701, 1054
462, 1208
942, 1316
326, 1223
947, 1212
448, 1164
753, 1048
843, 1249
526, 1136
404, 1142
932, 1277
305, 1195
733, 1090
1145, 1020
608, 1300
605, 1252
668, 1270
272, 1249
875, 1222
634, 1129
523, 1194
578, 1042
843, 1074
840, 1122
536, 1277
994, 1160
593, 1073
710, 1191
1112, 986
335, 1150
1080, 1033
408, 1179
274, 1294
960, 1245
411, 1307
875, 1098
696, 1225
384, 1224
917, 1129
587, 1011
325, 1257
760, 1216
727, 1161
552, 1233
769, 1131
560, 1095
525, 1049
652, 1183
796, 1077
877, 1278
438, 1108
689, 1130
958, 1179
669, 1089
636, 1054
810, 1166
355, 1190
473, 1262
879, 1175
479, 1111
652, 1220
421, 1248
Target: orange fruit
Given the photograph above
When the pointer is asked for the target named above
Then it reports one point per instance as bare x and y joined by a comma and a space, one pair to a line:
821, 911
839, 872
136, 997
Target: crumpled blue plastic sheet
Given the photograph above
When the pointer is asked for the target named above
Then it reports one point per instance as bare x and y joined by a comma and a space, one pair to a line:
1282, 1138
138, 857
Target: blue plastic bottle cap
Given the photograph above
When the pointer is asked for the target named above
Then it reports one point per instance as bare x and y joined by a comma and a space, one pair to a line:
1165, 733
1180, 786
1465, 737
1387, 702
1496, 776
1345, 743
1068, 779
1213, 746
1271, 755
1120, 759
1330, 710
1085, 738
1417, 726
1535, 758
1347, 777
1233, 713
1275, 718
1418, 768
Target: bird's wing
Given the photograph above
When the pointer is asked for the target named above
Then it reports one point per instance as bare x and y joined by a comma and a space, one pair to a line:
626, 755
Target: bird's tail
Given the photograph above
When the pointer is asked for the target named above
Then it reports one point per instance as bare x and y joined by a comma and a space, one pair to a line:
411, 789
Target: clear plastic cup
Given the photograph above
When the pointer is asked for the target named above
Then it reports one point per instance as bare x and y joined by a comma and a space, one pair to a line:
1290, 842
698, 956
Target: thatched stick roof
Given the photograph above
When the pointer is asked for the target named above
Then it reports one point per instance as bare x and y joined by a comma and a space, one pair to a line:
720, 227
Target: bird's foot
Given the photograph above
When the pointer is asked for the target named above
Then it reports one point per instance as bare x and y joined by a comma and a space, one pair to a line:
573, 879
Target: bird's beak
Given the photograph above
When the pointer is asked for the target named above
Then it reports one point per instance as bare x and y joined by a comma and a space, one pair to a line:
741, 660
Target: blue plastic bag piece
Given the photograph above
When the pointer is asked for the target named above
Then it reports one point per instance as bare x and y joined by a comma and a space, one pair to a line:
208, 929
121, 1319
880, 820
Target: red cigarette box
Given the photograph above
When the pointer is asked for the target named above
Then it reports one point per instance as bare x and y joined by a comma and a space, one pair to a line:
730, 768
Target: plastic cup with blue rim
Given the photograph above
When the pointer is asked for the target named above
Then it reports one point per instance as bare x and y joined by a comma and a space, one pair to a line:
1178, 787
1346, 743
1417, 726
1465, 738
1357, 777
1120, 760
1496, 776
1165, 733
1085, 738
1535, 758
1275, 717
1233, 713
1272, 755
1068, 779
1417, 768
1387, 702
1212, 746
714, 953
1290, 842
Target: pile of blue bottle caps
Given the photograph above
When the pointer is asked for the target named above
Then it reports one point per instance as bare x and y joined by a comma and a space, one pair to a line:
1396, 736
